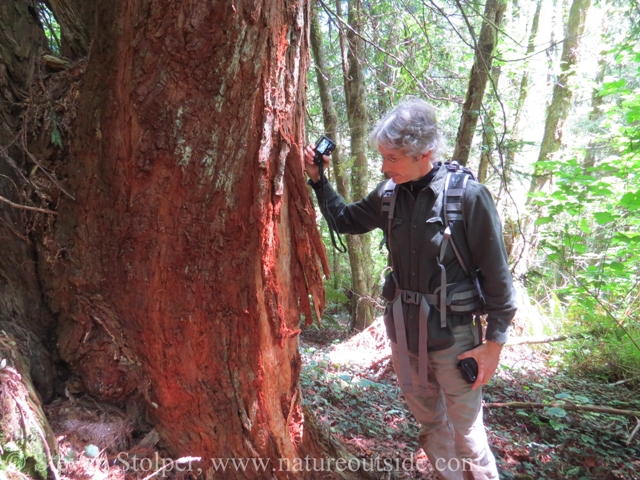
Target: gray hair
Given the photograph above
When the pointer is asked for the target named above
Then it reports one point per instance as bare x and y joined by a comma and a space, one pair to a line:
411, 127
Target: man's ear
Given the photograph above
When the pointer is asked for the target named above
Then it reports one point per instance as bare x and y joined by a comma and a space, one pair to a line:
426, 157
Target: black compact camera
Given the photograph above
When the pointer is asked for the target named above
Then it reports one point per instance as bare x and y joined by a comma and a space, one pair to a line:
469, 369
324, 146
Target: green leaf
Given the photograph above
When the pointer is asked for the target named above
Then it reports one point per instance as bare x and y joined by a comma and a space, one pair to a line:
56, 138
556, 425
604, 217
580, 248
609, 88
617, 266
631, 200
563, 395
632, 238
633, 114
557, 412
91, 451
544, 220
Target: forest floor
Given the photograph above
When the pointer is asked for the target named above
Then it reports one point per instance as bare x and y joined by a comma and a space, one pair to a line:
350, 384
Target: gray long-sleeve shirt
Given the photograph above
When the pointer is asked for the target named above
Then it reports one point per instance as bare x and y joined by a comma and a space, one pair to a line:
414, 241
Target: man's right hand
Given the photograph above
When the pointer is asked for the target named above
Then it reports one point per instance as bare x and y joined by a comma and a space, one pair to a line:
312, 169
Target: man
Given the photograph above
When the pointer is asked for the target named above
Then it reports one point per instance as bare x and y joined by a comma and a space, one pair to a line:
427, 345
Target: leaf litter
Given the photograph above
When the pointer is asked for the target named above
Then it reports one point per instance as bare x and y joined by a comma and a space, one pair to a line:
349, 383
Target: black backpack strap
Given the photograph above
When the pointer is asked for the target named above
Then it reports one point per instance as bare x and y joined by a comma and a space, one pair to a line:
454, 187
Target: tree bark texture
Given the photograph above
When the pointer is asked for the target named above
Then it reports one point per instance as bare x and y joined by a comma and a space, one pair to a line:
484, 47
331, 123
355, 93
488, 134
561, 101
192, 248
26, 374
73, 25
329, 113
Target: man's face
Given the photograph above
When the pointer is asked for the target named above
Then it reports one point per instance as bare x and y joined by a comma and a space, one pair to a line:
402, 168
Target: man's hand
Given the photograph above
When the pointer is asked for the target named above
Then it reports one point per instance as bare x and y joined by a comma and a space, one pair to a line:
488, 356
312, 169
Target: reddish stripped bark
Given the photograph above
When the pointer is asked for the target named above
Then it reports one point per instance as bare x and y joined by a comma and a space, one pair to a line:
192, 245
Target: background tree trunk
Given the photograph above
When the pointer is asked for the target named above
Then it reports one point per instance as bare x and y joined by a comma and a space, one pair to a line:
191, 246
76, 20
522, 97
329, 114
484, 46
331, 124
355, 91
489, 132
561, 100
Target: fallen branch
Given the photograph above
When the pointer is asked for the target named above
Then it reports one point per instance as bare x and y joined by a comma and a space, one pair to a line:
633, 434
569, 406
25, 207
549, 338
620, 382
539, 339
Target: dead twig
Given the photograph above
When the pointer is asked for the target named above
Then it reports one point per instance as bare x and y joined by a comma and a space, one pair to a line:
46, 172
25, 207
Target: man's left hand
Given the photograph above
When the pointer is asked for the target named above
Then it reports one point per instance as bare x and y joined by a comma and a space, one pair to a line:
488, 356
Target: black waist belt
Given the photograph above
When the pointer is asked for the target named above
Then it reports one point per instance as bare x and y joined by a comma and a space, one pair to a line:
463, 298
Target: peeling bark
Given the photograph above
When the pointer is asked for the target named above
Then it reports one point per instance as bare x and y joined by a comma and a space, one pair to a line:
192, 247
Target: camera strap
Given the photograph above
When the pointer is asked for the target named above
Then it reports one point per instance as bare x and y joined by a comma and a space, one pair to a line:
331, 222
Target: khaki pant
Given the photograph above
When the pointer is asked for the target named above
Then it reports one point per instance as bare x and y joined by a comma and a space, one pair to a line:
452, 433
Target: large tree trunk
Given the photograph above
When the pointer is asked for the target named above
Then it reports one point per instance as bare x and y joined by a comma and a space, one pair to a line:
485, 45
561, 101
355, 91
190, 249
26, 373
